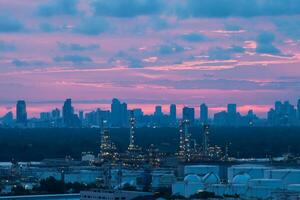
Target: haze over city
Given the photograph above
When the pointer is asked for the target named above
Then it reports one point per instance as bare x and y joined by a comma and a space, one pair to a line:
149, 99
158, 52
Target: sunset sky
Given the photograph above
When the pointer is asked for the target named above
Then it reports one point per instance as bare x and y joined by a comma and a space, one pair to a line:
148, 52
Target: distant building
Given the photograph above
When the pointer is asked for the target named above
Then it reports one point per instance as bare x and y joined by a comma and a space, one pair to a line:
203, 113
45, 116
119, 114
284, 114
55, 114
21, 112
70, 119
173, 113
158, 111
8, 119
189, 114
231, 115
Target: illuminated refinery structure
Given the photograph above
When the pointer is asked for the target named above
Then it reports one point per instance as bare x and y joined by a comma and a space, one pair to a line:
108, 150
184, 153
132, 146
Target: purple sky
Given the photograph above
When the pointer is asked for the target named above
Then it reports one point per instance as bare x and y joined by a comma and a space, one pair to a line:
148, 52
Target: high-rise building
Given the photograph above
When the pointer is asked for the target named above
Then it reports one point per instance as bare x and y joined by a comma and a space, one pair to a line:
158, 111
188, 114
69, 118
231, 114
119, 114
55, 114
115, 112
21, 112
203, 113
173, 113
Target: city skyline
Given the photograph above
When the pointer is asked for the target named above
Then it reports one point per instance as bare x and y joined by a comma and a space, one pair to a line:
154, 53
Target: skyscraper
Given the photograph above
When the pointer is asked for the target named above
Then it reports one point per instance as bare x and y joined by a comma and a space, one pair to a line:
21, 112
115, 112
173, 113
119, 114
231, 114
158, 111
203, 113
188, 114
68, 113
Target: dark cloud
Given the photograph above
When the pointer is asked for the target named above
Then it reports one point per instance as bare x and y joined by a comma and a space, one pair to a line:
58, 7
220, 53
232, 27
265, 44
167, 49
77, 47
241, 8
10, 24
6, 46
23, 63
289, 27
75, 59
225, 84
48, 28
193, 37
127, 8
92, 26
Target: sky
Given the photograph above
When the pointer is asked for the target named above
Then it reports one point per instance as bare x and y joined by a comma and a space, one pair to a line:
149, 52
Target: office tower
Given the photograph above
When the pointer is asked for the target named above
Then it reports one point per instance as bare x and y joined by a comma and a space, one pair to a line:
231, 115
45, 116
119, 114
8, 119
81, 114
203, 113
55, 114
115, 113
220, 118
188, 114
173, 113
21, 112
69, 118
124, 115
158, 111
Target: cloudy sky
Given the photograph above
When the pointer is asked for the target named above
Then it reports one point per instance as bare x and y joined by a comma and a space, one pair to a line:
148, 52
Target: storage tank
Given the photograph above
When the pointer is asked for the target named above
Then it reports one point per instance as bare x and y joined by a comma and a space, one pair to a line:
201, 170
288, 176
254, 171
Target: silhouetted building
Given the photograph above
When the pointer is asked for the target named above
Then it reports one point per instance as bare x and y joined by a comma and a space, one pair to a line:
21, 112
203, 113
69, 118
158, 111
119, 114
189, 114
173, 114
284, 114
231, 115
55, 114
220, 118
8, 119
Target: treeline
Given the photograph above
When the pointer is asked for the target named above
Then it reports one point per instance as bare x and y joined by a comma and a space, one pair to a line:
38, 144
